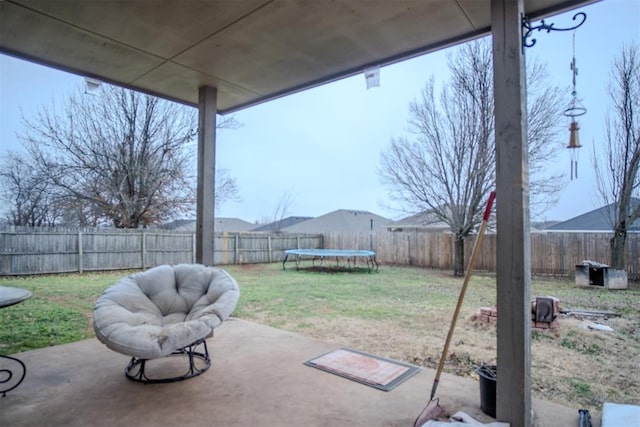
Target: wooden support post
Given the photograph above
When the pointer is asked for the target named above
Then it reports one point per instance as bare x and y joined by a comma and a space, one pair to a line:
513, 403
205, 221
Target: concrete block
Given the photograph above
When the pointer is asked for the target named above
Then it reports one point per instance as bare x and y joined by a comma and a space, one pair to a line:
582, 275
545, 325
617, 279
610, 278
485, 311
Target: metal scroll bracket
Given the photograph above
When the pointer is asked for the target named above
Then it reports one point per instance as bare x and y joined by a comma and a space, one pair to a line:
527, 28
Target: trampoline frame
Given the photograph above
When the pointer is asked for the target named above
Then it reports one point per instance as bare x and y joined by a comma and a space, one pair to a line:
320, 254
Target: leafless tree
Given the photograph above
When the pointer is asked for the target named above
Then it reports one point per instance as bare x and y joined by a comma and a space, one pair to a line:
617, 177
26, 193
226, 188
447, 167
281, 210
121, 157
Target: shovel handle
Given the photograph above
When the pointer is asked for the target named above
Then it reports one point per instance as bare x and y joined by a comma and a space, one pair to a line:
487, 211
467, 277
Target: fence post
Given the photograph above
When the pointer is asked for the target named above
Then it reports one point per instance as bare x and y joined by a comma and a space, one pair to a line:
634, 258
225, 248
452, 252
269, 255
561, 255
80, 254
143, 249
193, 248
236, 249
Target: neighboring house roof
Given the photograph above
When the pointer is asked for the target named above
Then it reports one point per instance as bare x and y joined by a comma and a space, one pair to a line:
233, 224
180, 225
423, 221
341, 220
429, 221
282, 223
221, 224
542, 225
600, 219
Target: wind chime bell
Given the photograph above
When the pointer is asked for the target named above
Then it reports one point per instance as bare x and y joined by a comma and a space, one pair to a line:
574, 139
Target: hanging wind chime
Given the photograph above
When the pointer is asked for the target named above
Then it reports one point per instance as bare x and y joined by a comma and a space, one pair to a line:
576, 109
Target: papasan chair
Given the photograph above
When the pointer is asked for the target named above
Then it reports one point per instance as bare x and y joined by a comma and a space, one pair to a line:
165, 311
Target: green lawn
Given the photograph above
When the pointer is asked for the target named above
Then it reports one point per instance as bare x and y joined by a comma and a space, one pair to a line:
59, 311
397, 312
61, 307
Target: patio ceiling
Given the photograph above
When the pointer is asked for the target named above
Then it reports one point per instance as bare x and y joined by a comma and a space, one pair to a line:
251, 50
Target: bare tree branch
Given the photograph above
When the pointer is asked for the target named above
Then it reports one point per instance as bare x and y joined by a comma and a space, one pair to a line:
448, 167
617, 178
121, 157
27, 196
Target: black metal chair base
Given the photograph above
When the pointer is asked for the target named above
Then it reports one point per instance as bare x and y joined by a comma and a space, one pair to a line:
135, 371
6, 376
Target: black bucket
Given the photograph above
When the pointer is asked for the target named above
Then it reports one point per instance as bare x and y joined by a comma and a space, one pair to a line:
488, 389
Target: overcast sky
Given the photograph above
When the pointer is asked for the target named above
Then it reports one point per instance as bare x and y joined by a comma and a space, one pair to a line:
323, 146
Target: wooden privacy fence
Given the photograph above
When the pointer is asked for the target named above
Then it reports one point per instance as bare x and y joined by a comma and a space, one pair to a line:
551, 253
253, 248
42, 251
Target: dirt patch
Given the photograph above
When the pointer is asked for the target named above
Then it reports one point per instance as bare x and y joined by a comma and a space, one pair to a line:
574, 366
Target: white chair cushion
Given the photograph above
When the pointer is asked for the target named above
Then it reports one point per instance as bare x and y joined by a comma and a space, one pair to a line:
153, 313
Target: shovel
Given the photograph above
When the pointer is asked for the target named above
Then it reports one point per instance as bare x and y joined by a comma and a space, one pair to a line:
433, 410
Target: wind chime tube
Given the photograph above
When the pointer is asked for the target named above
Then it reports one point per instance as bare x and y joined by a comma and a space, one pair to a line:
571, 169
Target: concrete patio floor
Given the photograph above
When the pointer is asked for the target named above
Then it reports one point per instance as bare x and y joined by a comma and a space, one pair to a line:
257, 378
